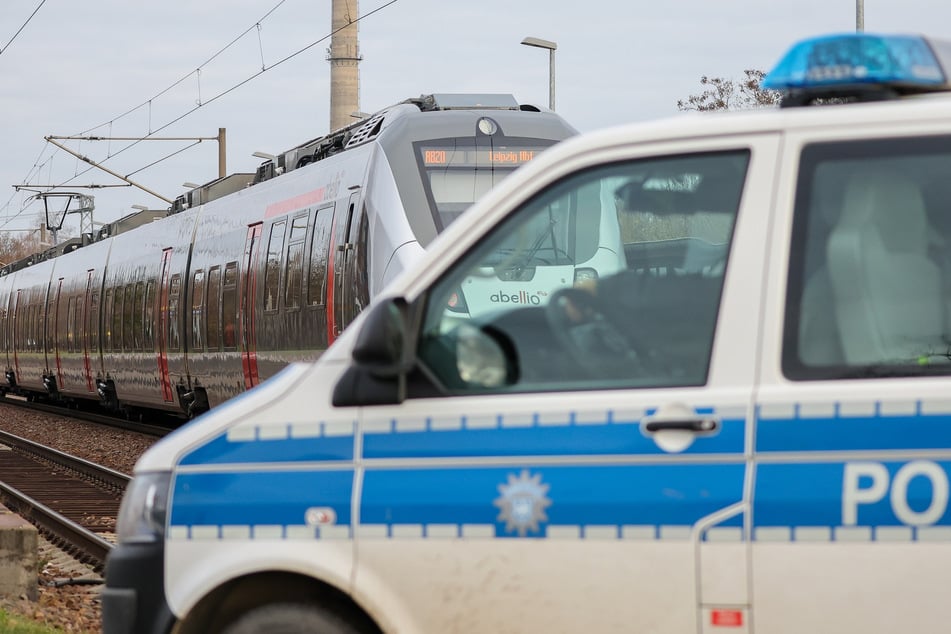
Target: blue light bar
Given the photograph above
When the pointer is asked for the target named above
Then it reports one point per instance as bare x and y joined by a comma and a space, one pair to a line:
908, 63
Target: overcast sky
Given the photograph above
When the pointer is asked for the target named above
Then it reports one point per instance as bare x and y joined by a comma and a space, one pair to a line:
77, 67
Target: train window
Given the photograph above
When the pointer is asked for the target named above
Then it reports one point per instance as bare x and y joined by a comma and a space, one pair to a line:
71, 324
272, 272
107, 320
319, 248
117, 320
198, 309
298, 229
138, 316
78, 323
27, 326
148, 342
457, 171
38, 324
174, 290
34, 318
128, 317
40, 328
44, 327
94, 322
214, 309
51, 326
30, 342
229, 306
294, 273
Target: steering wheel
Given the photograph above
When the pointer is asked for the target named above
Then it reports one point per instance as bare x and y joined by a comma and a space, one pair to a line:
581, 326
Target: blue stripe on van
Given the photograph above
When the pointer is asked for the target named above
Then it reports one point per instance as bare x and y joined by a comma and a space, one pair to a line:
868, 432
657, 495
249, 498
223, 450
813, 494
565, 439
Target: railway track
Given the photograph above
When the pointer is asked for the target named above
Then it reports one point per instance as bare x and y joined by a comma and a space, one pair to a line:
73, 502
91, 417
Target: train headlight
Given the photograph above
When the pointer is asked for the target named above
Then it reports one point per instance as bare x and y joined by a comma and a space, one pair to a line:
144, 508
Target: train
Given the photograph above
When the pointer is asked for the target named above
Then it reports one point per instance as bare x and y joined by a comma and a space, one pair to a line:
178, 310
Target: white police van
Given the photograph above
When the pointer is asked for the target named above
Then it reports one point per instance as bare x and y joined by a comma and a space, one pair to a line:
746, 430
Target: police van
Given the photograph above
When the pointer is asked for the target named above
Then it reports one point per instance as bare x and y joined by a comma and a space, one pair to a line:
747, 429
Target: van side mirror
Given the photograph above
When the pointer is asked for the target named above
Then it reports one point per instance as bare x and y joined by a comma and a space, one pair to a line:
378, 373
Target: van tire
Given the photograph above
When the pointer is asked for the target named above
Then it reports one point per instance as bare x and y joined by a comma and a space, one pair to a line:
290, 618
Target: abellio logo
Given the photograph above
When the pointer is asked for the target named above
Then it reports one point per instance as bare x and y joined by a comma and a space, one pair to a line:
520, 297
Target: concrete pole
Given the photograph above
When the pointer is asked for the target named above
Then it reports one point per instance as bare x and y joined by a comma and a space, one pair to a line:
222, 154
551, 79
344, 58
859, 16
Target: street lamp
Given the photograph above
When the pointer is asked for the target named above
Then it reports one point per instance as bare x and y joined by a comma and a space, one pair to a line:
551, 46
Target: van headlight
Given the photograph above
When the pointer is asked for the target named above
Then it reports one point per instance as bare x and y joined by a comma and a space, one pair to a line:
144, 508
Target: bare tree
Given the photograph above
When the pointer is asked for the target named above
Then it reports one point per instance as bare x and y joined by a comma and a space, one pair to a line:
728, 94
14, 246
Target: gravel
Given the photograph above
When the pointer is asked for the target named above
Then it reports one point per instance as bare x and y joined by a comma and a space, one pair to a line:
75, 607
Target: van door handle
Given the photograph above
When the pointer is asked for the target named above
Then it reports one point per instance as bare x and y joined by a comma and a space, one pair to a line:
703, 425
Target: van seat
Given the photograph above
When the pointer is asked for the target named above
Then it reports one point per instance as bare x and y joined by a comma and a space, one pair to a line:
887, 291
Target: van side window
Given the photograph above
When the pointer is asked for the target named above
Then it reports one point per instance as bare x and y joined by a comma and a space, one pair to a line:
611, 278
869, 287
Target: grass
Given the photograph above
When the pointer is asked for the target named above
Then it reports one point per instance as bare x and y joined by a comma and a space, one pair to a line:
15, 624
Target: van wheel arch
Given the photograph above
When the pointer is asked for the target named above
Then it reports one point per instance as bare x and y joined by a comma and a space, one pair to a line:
235, 600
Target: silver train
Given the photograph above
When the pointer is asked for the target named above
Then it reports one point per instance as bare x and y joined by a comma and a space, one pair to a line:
254, 271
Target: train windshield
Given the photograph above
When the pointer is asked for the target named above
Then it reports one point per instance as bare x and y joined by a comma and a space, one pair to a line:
458, 171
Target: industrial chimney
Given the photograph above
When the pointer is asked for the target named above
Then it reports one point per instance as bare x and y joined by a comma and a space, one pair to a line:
344, 57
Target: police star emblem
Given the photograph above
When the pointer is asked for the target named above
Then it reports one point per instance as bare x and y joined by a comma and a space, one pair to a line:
522, 503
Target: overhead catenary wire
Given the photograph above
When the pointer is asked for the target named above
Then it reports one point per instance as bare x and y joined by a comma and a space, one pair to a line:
23, 26
200, 102
148, 102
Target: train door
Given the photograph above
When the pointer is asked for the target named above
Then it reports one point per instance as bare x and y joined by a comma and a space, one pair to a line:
88, 324
163, 330
249, 360
343, 253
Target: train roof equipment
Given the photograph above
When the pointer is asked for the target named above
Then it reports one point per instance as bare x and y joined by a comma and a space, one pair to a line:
369, 128
359, 133
860, 67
